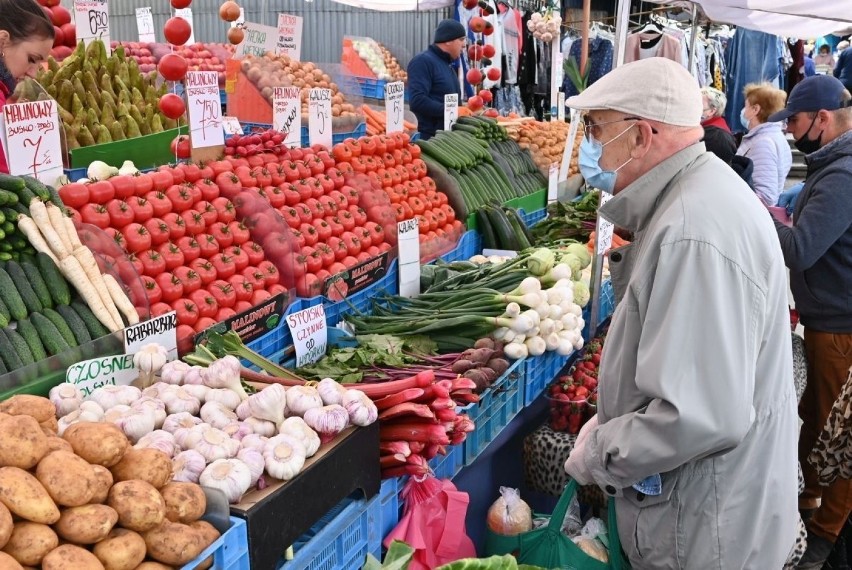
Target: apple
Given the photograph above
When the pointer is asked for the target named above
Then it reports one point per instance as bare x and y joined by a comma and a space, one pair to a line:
474, 76
60, 16
477, 24
492, 113
493, 74
69, 32
470, 4
475, 103
489, 51
474, 53
489, 29
486, 95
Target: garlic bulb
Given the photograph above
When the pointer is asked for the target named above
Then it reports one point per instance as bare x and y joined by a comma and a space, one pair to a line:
327, 421
243, 410
92, 410
330, 391
180, 420
195, 375
80, 415
261, 427
254, 459
187, 466
111, 396
231, 476
269, 404
186, 438
154, 390
217, 415
297, 428
173, 372
284, 456
155, 407
158, 439
215, 444
361, 409
300, 399
227, 398
135, 424
66, 398
197, 391
225, 373
178, 400
113, 414
237, 430
148, 361
254, 441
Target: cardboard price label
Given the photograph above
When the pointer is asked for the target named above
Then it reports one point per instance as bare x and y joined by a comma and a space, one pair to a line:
409, 257
145, 25
287, 114
32, 141
394, 107
186, 14
451, 110
552, 183
319, 117
310, 334
258, 40
603, 235
205, 109
91, 18
161, 330
232, 126
290, 36
90, 375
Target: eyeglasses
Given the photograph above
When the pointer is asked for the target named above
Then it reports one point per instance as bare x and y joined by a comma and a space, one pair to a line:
592, 129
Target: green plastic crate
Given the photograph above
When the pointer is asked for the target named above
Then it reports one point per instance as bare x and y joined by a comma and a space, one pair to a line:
529, 203
146, 152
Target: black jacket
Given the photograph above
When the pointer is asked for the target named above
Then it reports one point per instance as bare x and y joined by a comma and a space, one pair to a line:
431, 75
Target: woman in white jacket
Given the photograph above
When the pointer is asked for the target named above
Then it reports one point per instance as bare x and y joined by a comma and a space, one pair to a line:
765, 143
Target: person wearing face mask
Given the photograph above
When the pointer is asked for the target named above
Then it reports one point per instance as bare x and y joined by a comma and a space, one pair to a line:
431, 75
696, 381
817, 250
26, 36
765, 143
717, 134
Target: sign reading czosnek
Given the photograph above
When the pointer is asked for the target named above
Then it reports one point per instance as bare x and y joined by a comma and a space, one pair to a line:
90, 375
409, 257
394, 107
451, 110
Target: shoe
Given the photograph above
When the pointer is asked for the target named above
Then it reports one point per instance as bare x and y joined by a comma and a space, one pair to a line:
819, 549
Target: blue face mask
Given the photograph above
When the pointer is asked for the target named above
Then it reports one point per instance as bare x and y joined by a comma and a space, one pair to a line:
589, 163
743, 119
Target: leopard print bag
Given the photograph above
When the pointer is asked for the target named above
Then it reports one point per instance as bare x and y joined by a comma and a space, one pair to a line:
832, 454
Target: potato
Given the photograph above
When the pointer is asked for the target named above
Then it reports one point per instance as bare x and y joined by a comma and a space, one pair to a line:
9, 563
87, 524
173, 543
50, 427
6, 525
139, 505
22, 494
103, 483
22, 443
39, 408
149, 565
30, 542
209, 535
56, 443
70, 557
150, 465
121, 550
185, 502
98, 443
68, 479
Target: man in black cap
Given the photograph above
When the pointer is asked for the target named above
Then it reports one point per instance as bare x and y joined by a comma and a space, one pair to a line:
817, 251
431, 75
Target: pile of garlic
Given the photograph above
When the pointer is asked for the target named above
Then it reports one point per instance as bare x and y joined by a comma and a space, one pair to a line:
215, 433
545, 25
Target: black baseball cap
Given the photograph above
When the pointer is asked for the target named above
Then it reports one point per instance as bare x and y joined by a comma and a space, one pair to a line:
813, 94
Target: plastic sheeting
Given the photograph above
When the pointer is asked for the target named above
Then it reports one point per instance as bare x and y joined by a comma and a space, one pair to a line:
399, 5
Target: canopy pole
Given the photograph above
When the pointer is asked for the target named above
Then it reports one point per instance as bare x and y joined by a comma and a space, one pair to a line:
584, 47
693, 39
622, 23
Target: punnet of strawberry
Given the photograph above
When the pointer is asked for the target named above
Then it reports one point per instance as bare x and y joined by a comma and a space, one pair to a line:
573, 396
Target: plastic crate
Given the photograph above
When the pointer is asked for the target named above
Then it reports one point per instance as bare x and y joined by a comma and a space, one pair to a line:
390, 504
469, 245
367, 87
230, 551
360, 131
341, 539
497, 406
75, 174
539, 371
607, 307
447, 466
276, 340
534, 217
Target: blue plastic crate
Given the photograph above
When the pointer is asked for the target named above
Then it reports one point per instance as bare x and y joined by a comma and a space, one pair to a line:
539, 371
469, 245
497, 406
341, 539
389, 504
360, 131
367, 87
230, 551
275, 341
607, 307
447, 466
534, 217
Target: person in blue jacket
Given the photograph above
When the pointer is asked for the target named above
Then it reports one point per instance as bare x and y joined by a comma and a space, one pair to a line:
431, 75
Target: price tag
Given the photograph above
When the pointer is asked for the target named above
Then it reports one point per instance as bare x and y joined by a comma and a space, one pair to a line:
409, 257
319, 117
90, 375
91, 18
186, 14
561, 104
310, 334
451, 110
603, 235
145, 25
232, 126
290, 36
161, 330
205, 109
241, 20
287, 114
258, 40
552, 183
32, 140
394, 107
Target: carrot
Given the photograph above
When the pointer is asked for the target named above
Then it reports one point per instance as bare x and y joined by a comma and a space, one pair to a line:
76, 276
45, 226
93, 272
122, 302
57, 220
29, 228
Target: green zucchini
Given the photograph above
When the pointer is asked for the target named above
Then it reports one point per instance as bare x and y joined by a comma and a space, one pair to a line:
30, 336
75, 322
50, 336
11, 297
8, 354
38, 283
502, 229
93, 325
61, 326
523, 234
59, 290
25, 289
483, 224
21, 347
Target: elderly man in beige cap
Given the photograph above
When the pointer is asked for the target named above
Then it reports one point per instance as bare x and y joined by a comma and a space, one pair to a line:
696, 429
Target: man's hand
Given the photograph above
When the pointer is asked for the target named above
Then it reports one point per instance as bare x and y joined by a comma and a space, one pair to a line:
787, 199
575, 465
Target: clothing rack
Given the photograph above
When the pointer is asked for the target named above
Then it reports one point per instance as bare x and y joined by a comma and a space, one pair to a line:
654, 12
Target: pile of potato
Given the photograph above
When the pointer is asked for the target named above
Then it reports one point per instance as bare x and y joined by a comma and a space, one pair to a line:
546, 142
395, 70
88, 500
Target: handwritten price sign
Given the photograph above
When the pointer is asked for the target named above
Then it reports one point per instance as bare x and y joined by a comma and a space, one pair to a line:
394, 106
319, 117
33, 145
145, 24
290, 36
287, 114
91, 17
205, 109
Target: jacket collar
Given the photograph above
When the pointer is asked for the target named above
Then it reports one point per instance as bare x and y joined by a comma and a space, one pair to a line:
7, 82
842, 145
762, 127
719, 122
632, 207
440, 53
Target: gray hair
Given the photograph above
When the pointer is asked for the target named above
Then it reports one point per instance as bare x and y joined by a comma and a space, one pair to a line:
716, 99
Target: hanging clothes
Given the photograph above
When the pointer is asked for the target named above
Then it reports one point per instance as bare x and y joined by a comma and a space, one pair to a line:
512, 43
527, 71
795, 73
751, 57
600, 62
642, 45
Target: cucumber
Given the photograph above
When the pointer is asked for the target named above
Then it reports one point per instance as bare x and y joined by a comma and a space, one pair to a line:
59, 290
525, 239
7, 197
3, 367
489, 240
61, 326
30, 336
8, 354
20, 209
36, 187
50, 336
502, 229
78, 327
5, 317
20, 345
38, 283
11, 297
57, 201
25, 289
12, 184
93, 325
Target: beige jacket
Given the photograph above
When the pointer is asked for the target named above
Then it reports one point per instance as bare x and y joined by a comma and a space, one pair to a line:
696, 380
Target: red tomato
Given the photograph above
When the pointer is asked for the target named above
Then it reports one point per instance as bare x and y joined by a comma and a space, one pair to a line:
187, 312
171, 286
180, 197
159, 202
254, 276
326, 254
229, 184
305, 213
353, 244
308, 286
349, 262
323, 229
240, 257
223, 293
152, 290
194, 222
243, 306
240, 232
204, 301
329, 206
177, 227
172, 254
123, 186
142, 210
313, 260
120, 213
347, 220
224, 314
222, 233
190, 248
203, 323
162, 179
270, 273
291, 217
101, 192
75, 195
185, 338
152, 263
205, 270
190, 279
136, 237
359, 215
191, 172
338, 247
259, 296
336, 268
365, 236
208, 244
310, 233
363, 256
135, 262
340, 199
160, 308
159, 231
209, 189
242, 287
374, 251
336, 226
254, 251
225, 210
224, 265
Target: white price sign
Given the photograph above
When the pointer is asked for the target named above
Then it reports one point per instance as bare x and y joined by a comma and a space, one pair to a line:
287, 114
205, 109
603, 235
91, 19
145, 25
290, 36
258, 40
409, 257
552, 183
451, 110
319, 117
90, 375
310, 334
161, 330
186, 14
232, 126
32, 141
394, 107
561, 103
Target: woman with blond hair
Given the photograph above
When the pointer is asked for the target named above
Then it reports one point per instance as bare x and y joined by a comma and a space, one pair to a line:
765, 143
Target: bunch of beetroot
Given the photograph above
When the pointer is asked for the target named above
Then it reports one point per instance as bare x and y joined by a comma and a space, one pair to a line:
256, 143
573, 397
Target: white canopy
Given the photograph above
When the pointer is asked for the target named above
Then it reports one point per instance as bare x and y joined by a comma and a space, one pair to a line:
400, 5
